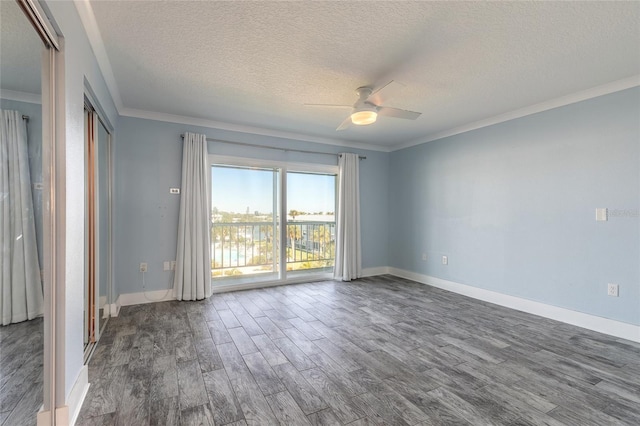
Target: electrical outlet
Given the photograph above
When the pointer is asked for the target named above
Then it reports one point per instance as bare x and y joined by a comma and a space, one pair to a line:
143, 267
612, 290
174, 190
445, 260
173, 265
166, 266
424, 256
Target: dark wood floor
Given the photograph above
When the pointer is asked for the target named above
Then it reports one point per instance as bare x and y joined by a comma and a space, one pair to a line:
21, 372
381, 350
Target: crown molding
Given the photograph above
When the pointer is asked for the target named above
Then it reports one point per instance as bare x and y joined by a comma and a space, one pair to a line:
594, 92
92, 30
12, 95
218, 125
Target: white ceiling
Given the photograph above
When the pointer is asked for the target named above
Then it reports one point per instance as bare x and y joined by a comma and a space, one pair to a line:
255, 63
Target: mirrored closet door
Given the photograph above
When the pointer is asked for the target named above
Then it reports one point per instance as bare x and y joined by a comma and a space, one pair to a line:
25, 254
98, 227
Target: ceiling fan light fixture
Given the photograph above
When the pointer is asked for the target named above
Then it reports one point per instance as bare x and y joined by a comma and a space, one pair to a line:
362, 118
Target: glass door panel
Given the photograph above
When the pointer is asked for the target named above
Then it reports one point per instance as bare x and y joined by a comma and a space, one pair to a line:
245, 223
311, 225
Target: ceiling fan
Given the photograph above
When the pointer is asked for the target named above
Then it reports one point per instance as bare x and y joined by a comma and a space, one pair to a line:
369, 105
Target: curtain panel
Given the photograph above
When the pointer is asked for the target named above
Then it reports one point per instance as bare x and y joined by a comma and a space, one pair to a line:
21, 296
193, 259
348, 251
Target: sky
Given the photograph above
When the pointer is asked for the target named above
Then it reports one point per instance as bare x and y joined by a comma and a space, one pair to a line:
235, 189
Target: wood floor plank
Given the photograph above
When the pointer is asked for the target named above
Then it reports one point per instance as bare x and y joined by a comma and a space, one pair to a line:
200, 415
23, 412
255, 408
27, 377
229, 319
377, 413
242, 340
339, 402
415, 390
338, 355
308, 331
269, 327
461, 407
250, 325
207, 354
337, 374
301, 341
286, 410
583, 417
269, 350
190, 385
232, 360
164, 379
134, 407
226, 408
164, 412
185, 351
219, 332
324, 417
505, 396
306, 396
266, 378
106, 393
295, 356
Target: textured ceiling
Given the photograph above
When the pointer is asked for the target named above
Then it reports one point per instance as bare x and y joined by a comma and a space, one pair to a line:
20, 50
256, 63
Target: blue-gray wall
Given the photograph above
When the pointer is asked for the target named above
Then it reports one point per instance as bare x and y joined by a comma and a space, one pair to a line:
513, 206
148, 161
34, 142
80, 70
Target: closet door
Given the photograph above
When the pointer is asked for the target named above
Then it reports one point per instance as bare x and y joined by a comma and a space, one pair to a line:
97, 289
90, 316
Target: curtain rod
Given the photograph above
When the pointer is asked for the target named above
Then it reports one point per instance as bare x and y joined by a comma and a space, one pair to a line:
253, 145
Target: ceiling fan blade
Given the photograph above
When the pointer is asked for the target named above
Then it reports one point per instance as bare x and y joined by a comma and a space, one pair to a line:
345, 124
398, 113
386, 92
328, 106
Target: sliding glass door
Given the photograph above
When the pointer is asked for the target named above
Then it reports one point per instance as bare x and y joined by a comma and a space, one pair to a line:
245, 222
252, 240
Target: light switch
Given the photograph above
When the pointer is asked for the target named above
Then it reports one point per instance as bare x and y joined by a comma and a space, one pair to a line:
601, 215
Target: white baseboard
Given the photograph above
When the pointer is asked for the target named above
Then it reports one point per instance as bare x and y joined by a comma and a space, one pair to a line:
370, 272
127, 299
44, 418
580, 319
74, 400
114, 308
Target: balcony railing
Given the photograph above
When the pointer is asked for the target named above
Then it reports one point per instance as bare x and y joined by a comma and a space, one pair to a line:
246, 248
